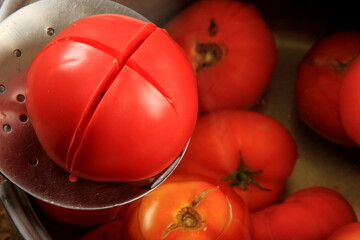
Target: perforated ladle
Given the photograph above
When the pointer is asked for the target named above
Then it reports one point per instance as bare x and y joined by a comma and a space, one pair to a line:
23, 162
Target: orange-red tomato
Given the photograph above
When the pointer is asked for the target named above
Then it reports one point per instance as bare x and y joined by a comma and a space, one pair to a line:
319, 80
252, 152
311, 214
350, 101
231, 49
80, 217
188, 208
350, 231
105, 96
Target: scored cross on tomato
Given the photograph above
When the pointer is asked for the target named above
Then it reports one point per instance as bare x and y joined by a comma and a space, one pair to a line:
106, 95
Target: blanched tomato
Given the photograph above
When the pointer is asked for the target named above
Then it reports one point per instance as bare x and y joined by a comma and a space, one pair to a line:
350, 231
105, 96
252, 152
311, 214
319, 80
188, 208
231, 49
350, 101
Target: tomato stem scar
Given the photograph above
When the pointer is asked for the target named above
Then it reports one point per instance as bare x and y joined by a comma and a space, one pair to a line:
335, 65
206, 55
188, 217
243, 177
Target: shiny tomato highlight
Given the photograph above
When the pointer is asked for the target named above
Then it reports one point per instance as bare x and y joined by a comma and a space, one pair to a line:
112, 98
231, 48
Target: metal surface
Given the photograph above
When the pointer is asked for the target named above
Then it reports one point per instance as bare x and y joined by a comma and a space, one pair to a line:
320, 162
20, 210
296, 26
10, 6
22, 160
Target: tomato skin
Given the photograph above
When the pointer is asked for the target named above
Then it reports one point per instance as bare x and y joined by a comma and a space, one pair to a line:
100, 100
350, 231
220, 138
223, 214
319, 80
350, 101
248, 51
80, 217
311, 213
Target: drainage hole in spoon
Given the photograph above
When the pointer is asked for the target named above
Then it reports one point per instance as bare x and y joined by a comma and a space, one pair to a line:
23, 118
33, 161
7, 128
20, 98
17, 52
50, 31
2, 89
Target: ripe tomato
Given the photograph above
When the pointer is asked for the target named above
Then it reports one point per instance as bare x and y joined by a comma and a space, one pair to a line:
350, 101
311, 214
231, 49
105, 95
188, 208
350, 231
319, 80
252, 151
80, 217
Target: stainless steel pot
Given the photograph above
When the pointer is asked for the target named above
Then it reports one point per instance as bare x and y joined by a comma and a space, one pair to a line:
296, 26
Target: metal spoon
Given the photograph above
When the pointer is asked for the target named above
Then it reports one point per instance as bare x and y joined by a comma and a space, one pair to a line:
22, 160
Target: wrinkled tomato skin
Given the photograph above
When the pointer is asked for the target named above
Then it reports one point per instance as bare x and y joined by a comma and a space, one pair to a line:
240, 77
319, 80
350, 101
311, 214
80, 217
264, 144
350, 231
112, 98
223, 214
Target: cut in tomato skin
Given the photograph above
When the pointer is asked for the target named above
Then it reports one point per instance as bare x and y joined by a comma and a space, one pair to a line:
106, 95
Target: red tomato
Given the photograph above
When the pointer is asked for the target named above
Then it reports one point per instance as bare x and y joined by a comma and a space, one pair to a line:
105, 96
311, 214
350, 231
188, 208
80, 217
107, 231
350, 101
254, 152
231, 49
320, 77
